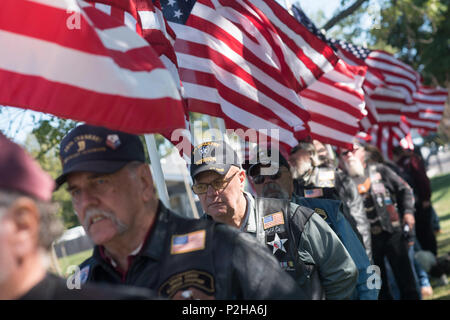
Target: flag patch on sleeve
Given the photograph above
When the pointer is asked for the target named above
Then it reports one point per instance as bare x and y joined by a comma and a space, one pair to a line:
313, 193
188, 242
272, 220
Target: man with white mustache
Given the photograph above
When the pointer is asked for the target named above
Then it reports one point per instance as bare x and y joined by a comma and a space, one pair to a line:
220, 188
28, 226
389, 205
140, 242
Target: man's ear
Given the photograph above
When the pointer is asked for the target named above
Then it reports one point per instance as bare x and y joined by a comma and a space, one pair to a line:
26, 220
146, 182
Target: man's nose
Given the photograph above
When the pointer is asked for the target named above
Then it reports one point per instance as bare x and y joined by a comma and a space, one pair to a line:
87, 199
211, 191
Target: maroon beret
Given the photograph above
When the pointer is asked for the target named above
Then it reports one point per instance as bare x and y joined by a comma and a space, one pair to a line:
20, 172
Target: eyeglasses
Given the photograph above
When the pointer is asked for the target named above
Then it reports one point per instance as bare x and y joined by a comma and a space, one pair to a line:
217, 185
258, 178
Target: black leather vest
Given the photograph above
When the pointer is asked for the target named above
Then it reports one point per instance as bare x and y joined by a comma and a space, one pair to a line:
279, 225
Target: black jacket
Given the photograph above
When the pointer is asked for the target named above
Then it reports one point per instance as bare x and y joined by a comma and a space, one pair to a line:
212, 257
388, 198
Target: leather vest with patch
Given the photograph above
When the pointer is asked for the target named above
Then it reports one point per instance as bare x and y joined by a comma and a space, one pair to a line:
379, 203
279, 225
185, 265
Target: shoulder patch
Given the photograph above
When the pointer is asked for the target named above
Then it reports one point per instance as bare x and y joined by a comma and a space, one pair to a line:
188, 242
193, 278
272, 220
313, 193
321, 213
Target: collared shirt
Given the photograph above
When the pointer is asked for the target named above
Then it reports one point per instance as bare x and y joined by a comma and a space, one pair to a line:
249, 224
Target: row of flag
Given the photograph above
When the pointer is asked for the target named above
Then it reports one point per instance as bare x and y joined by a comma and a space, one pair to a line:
141, 66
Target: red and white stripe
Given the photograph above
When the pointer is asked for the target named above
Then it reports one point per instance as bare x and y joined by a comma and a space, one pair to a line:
336, 104
146, 18
101, 73
373, 78
245, 60
398, 76
430, 106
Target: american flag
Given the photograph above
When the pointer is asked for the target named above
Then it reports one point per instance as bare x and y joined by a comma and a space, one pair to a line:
389, 88
146, 18
430, 105
272, 220
336, 101
245, 61
73, 61
188, 242
385, 138
390, 83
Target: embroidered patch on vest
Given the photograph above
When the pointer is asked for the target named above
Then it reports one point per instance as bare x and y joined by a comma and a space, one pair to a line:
272, 220
188, 242
278, 244
193, 278
321, 213
313, 193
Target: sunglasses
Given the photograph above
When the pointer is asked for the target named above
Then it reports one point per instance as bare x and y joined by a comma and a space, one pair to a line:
258, 178
345, 153
219, 184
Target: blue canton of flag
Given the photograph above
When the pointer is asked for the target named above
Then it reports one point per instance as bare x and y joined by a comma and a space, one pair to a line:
177, 11
304, 20
180, 240
268, 219
357, 51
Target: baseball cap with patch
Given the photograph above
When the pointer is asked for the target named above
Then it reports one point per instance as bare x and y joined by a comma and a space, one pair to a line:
97, 149
215, 156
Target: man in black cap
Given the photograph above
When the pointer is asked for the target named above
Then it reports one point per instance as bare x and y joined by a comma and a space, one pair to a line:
140, 242
28, 226
281, 186
294, 234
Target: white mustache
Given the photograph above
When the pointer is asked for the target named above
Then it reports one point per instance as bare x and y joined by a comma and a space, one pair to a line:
90, 213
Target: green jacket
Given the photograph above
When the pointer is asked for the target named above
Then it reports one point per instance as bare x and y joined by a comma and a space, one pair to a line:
318, 254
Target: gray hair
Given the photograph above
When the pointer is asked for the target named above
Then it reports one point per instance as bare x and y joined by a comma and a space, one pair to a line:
51, 227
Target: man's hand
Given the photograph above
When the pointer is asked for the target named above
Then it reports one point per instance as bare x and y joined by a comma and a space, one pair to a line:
408, 218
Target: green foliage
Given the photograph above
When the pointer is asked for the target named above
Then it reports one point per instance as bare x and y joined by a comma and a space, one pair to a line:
416, 31
51, 164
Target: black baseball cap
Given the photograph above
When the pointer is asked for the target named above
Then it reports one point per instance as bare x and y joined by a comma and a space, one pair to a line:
217, 156
97, 149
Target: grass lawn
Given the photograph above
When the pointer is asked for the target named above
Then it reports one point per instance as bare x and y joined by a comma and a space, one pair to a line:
74, 259
441, 203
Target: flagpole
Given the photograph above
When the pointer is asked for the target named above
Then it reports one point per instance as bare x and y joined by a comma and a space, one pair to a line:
157, 173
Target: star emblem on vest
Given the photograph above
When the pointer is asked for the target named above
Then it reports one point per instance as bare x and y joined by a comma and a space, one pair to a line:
277, 243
